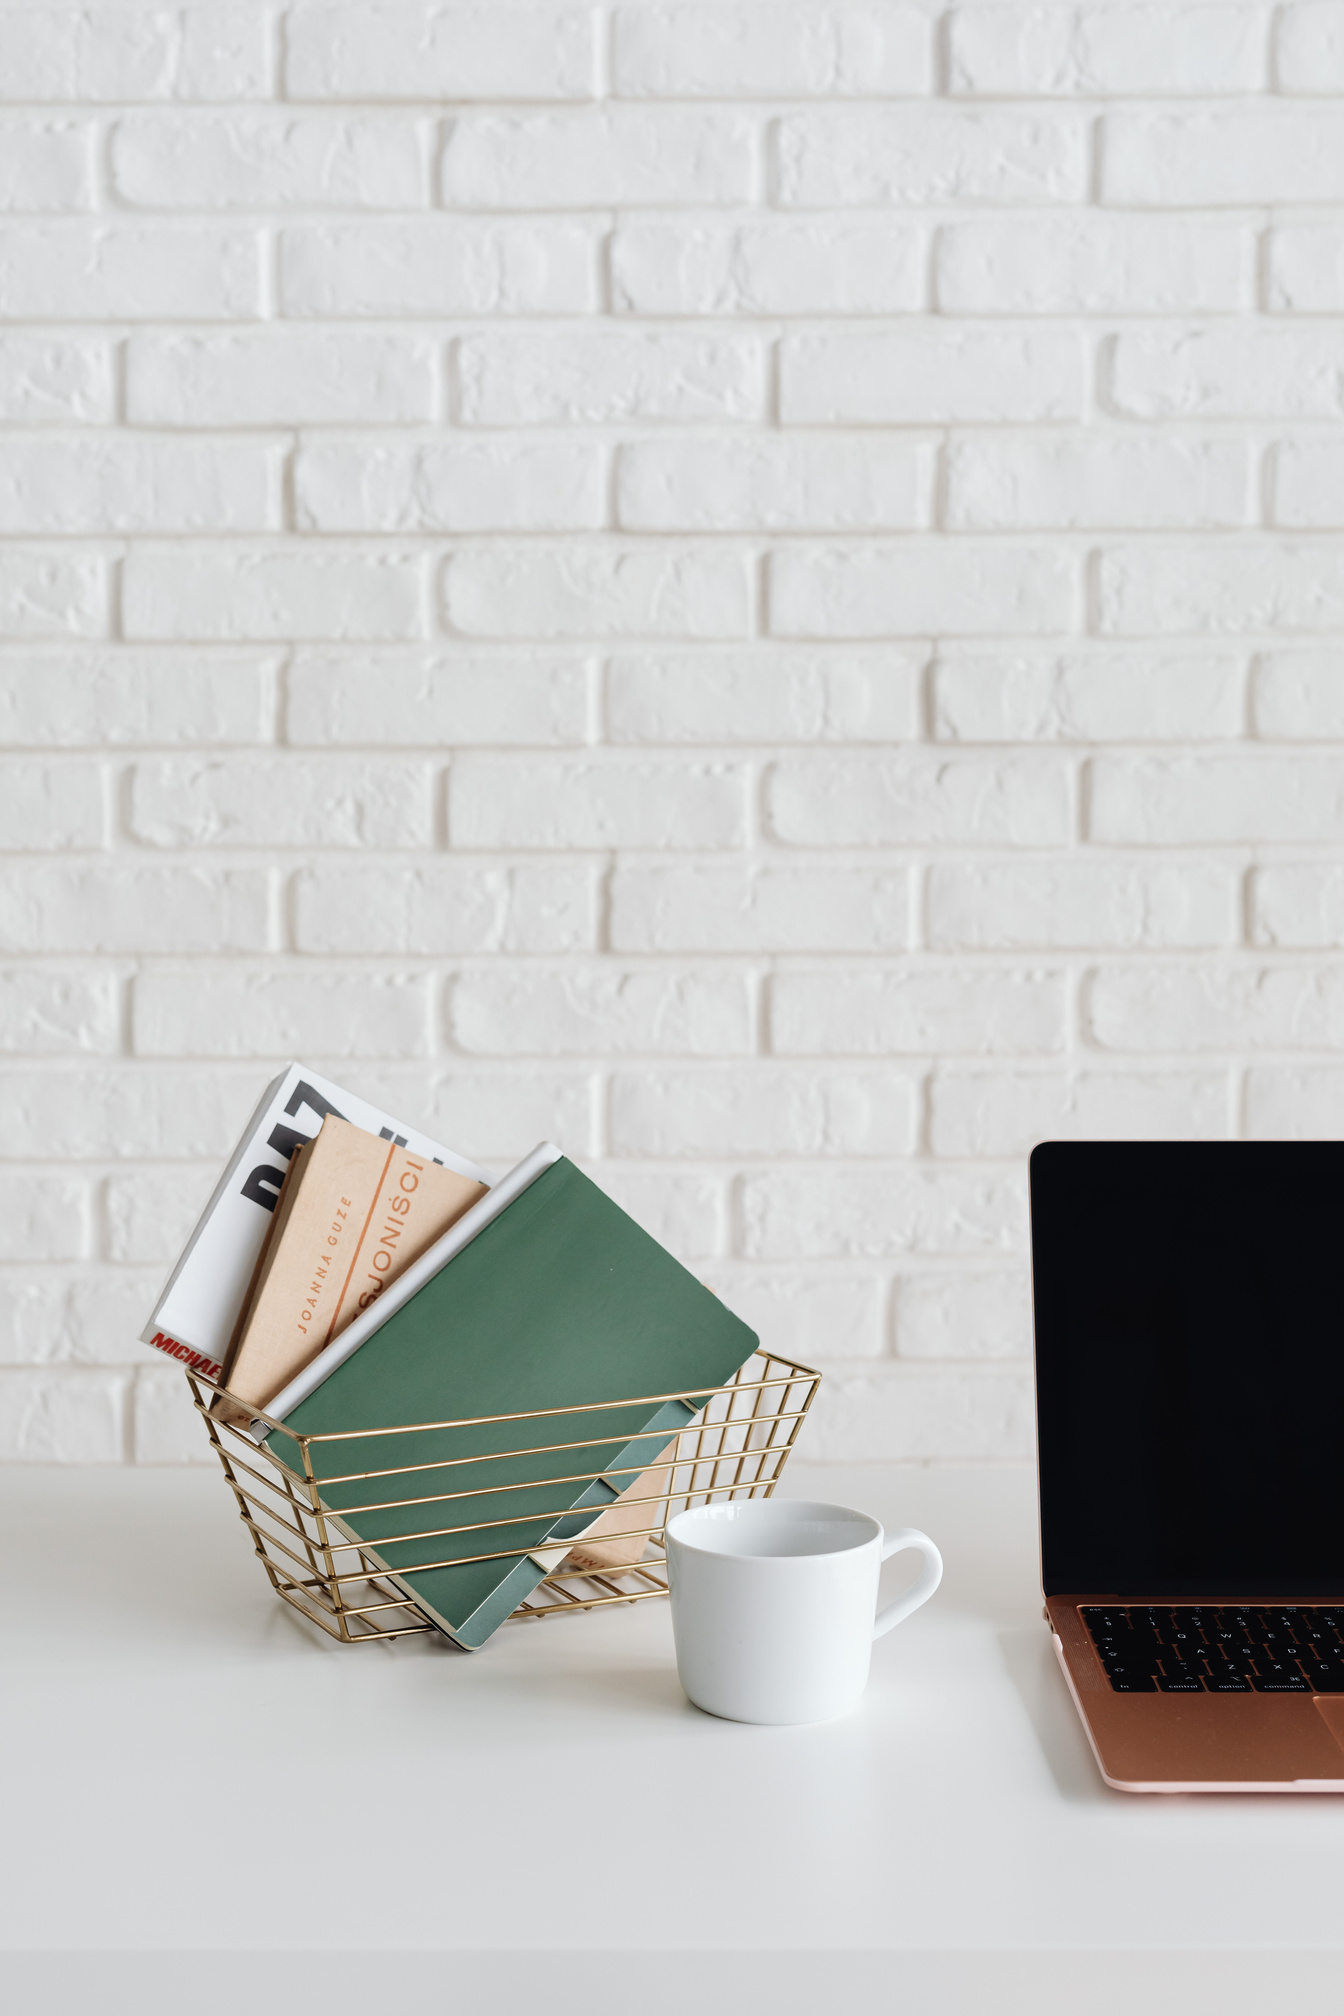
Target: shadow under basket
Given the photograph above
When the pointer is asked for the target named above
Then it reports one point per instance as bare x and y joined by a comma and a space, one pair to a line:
735, 1448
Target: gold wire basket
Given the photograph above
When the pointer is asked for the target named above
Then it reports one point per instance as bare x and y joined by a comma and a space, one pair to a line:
736, 1448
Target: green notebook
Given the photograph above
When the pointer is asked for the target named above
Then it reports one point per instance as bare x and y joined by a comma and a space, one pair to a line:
560, 1300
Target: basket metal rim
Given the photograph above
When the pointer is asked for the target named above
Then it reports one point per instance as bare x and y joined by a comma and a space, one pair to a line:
698, 1396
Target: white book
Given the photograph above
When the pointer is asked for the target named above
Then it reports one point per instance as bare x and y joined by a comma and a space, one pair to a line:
194, 1316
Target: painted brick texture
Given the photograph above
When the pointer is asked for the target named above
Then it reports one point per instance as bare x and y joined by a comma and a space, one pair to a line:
750, 585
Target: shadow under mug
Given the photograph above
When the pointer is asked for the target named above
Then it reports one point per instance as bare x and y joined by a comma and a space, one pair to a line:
773, 1602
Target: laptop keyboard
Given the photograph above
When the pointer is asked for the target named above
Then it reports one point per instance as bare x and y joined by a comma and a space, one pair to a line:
1244, 1650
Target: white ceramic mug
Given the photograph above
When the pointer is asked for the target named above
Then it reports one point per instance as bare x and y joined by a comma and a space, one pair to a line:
773, 1601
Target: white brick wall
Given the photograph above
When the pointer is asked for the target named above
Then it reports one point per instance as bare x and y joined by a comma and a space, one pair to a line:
753, 585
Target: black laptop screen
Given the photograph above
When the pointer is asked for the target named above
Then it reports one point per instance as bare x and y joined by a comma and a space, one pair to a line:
1189, 1307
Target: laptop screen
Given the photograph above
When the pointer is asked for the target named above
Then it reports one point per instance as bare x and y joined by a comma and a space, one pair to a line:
1189, 1303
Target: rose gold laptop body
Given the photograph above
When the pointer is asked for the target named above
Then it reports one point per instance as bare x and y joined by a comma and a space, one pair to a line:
1179, 1742
1196, 1742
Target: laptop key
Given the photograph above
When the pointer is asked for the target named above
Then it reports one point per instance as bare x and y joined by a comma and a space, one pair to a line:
1281, 1680
1227, 1683
1179, 1685
1132, 1684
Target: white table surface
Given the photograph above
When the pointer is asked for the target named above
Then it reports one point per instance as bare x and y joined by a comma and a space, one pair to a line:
193, 1778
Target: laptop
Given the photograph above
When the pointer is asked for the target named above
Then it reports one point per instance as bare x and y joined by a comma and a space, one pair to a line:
1189, 1314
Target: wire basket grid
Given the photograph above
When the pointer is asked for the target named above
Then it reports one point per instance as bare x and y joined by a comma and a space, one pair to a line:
736, 1447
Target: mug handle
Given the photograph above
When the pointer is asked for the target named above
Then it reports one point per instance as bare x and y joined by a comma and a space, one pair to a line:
910, 1536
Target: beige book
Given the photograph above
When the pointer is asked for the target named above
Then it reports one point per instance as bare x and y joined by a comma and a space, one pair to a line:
614, 1540
353, 1213
289, 1190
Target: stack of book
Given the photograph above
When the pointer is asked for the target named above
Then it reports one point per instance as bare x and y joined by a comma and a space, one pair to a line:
351, 1276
